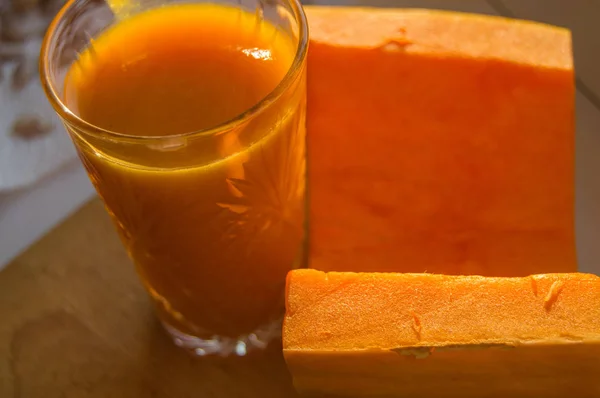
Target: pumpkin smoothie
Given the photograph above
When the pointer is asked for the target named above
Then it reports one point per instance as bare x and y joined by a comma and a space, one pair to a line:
209, 204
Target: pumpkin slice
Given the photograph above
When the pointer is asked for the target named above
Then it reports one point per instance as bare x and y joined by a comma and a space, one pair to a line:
439, 142
425, 335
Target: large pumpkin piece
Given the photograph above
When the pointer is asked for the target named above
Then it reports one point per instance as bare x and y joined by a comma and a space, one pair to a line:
439, 142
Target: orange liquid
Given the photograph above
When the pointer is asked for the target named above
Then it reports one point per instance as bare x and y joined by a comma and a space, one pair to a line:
213, 222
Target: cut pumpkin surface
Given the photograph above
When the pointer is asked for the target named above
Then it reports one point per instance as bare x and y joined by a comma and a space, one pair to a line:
425, 335
439, 142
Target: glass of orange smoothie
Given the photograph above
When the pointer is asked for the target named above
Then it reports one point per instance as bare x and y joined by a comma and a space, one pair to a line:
189, 118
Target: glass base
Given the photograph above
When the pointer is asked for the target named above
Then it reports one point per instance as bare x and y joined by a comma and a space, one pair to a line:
226, 346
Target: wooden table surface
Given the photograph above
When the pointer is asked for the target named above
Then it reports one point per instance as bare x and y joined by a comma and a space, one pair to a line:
75, 322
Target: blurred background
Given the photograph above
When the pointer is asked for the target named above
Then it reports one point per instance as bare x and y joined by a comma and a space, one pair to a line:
42, 182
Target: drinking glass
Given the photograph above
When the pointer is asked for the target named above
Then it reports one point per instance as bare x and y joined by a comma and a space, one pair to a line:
212, 219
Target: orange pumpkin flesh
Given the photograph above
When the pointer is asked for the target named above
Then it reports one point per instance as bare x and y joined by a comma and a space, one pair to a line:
439, 142
425, 335
443, 143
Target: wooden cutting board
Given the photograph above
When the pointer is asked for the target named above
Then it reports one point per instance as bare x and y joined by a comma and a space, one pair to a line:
75, 322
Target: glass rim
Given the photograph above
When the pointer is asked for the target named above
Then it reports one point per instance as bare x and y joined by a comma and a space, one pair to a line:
74, 120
